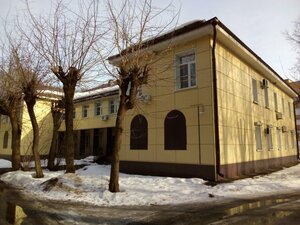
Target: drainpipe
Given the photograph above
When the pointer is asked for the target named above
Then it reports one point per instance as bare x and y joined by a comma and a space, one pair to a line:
297, 101
216, 116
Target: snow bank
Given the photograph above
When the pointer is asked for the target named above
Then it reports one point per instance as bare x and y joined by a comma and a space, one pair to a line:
90, 185
5, 163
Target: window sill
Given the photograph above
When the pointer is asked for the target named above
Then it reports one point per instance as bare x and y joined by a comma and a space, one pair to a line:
184, 89
267, 107
255, 102
259, 150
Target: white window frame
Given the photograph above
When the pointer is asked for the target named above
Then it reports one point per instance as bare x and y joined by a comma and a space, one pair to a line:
113, 104
85, 109
275, 102
278, 131
292, 139
286, 141
4, 119
254, 91
282, 103
258, 139
190, 81
269, 137
290, 110
98, 108
266, 94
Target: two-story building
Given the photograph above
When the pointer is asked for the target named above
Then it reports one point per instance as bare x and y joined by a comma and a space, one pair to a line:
94, 121
219, 111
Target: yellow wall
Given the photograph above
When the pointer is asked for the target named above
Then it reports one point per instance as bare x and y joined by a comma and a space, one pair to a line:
93, 121
42, 111
5, 126
238, 113
165, 98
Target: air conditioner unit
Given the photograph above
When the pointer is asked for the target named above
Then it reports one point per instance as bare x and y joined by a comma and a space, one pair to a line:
278, 116
258, 123
146, 98
104, 117
284, 129
264, 83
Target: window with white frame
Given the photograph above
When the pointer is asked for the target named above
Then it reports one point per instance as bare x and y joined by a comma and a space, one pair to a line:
275, 102
292, 139
98, 109
286, 140
282, 103
297, 111
266, 97
258, 136
269, 136
113, 106
290, 109
278, 138
254, 91
186, 70
4, 119
85, 111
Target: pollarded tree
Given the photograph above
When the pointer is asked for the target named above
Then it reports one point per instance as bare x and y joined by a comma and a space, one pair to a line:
10, 105
30, 75
65, 40
57, 114
133, 25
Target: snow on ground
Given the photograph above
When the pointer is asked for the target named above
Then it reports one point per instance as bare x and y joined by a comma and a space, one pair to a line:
5, 163
90, 185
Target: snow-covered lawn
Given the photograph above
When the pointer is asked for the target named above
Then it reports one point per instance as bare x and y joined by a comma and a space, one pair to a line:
90, 185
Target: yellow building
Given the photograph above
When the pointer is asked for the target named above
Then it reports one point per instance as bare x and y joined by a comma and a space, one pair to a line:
217, 111
44, 118
94, 121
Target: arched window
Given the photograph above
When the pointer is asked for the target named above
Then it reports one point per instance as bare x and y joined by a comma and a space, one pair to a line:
139, 133
5, 139
175, 131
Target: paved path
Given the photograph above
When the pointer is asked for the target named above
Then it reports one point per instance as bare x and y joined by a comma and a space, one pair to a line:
279, 210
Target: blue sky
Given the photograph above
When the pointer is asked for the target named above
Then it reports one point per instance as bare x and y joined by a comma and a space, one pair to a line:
260, 24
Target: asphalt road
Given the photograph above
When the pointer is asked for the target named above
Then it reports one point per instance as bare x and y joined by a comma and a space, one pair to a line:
25, 210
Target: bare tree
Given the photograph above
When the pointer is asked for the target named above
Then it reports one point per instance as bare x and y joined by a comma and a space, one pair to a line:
10, 105
133, 25
56, 112
294, 37
30, 73
65, 39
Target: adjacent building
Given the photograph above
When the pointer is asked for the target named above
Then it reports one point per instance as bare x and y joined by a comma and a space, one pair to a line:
94, 121
44, 118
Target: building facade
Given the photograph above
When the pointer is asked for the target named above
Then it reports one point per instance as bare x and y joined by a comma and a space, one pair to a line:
217, 112
296, 87
94, 122
44, 118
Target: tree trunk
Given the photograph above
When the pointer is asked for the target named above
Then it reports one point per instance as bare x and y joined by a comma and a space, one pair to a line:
69, 90
16, 140
114, 172
56, 117
36, 136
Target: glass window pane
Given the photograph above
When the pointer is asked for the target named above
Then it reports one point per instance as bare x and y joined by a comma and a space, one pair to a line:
258, 137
